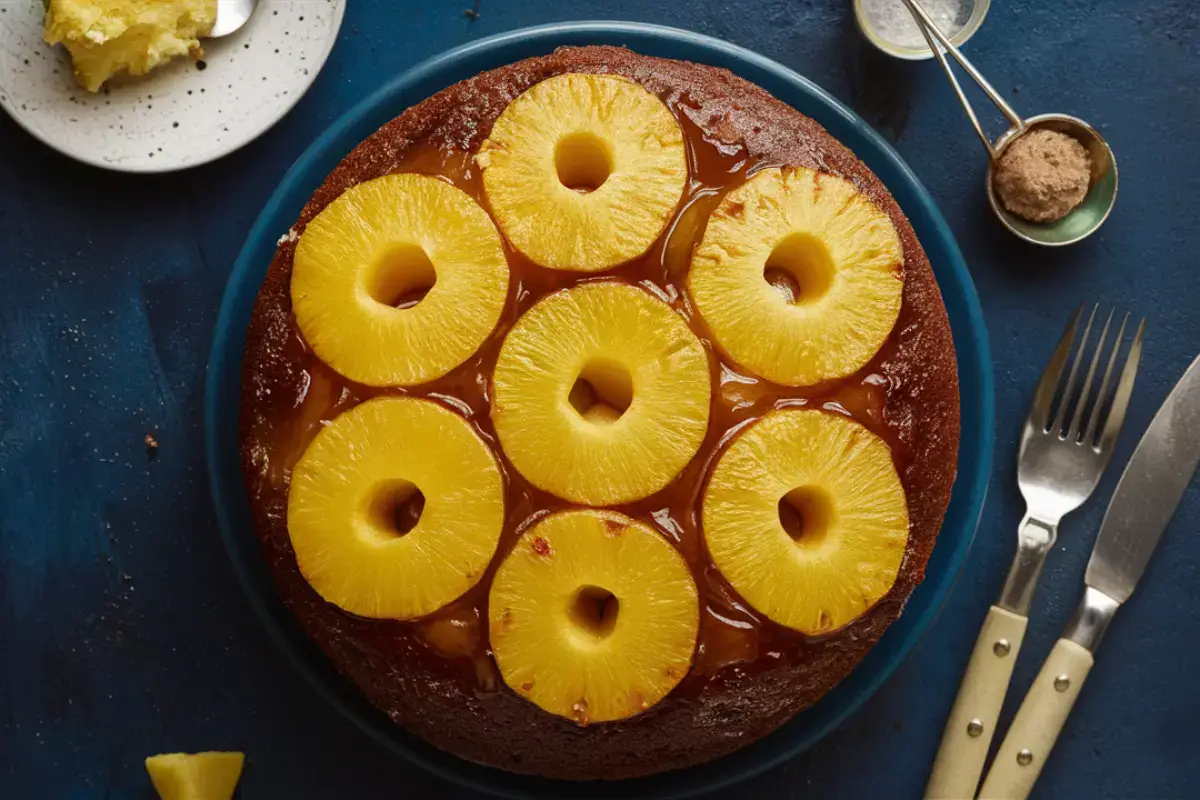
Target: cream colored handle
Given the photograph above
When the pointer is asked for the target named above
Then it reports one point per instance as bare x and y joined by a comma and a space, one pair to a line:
972, 722
1038, 722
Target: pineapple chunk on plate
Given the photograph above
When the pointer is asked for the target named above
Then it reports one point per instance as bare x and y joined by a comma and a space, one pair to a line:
108, 37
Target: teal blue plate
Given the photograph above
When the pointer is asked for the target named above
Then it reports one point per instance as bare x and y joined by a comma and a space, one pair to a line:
962, 303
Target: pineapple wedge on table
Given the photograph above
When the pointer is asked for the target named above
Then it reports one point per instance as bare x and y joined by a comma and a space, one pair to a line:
195, 776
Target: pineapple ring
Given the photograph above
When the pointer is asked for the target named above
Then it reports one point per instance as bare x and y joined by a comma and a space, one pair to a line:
583, 172
362, 261
593, 616
346, 540
806, 518
639, 356
835, 259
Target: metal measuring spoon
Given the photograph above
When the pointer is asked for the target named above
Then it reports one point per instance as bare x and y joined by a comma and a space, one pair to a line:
231, 16
1085, 218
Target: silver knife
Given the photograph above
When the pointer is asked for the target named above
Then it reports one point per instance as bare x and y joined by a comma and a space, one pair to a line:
1150, 489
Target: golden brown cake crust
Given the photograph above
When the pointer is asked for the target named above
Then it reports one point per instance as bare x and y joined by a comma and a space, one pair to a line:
498, 727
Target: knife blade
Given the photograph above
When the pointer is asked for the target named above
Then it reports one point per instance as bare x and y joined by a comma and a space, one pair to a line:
1149, 491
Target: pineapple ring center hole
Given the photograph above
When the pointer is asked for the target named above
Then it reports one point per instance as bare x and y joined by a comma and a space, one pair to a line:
603, 391
593, 610
583, 161
800, 269
395, 507
401, 277
806, 514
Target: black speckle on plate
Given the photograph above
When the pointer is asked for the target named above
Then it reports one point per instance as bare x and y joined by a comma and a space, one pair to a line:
201, 65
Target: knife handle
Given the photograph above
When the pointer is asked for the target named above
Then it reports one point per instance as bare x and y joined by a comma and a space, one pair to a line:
972, 722
1038, 723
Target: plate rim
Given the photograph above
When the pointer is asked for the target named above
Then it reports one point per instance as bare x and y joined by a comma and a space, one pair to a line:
146, 169
223, 392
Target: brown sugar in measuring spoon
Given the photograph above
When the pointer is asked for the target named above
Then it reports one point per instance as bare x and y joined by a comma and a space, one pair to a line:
1039, 190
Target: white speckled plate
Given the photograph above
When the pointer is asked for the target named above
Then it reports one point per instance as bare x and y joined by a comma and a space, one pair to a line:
181, 115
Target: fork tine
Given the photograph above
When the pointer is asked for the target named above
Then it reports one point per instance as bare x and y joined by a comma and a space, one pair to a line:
1116, 415
1094, 418
1085, 389
1060, 417
1043, 398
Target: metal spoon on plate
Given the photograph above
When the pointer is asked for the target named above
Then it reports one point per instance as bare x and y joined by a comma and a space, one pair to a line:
1085, 218
231, 16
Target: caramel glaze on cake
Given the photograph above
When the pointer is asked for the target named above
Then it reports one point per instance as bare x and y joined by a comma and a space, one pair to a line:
436, 676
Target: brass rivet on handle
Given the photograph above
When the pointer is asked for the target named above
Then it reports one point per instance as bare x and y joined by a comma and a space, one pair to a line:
1001, 647
1024, 758
1062, 683
974, 728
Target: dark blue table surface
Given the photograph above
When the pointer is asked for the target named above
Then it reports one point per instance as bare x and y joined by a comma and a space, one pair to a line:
122, 630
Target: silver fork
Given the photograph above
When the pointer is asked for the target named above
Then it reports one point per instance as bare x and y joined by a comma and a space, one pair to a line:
1067, 441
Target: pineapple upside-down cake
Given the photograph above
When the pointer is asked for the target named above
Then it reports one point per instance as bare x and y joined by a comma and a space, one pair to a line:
599, 415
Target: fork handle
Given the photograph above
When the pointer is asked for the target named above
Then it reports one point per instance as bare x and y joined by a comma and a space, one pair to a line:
1036, 727
972, 722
